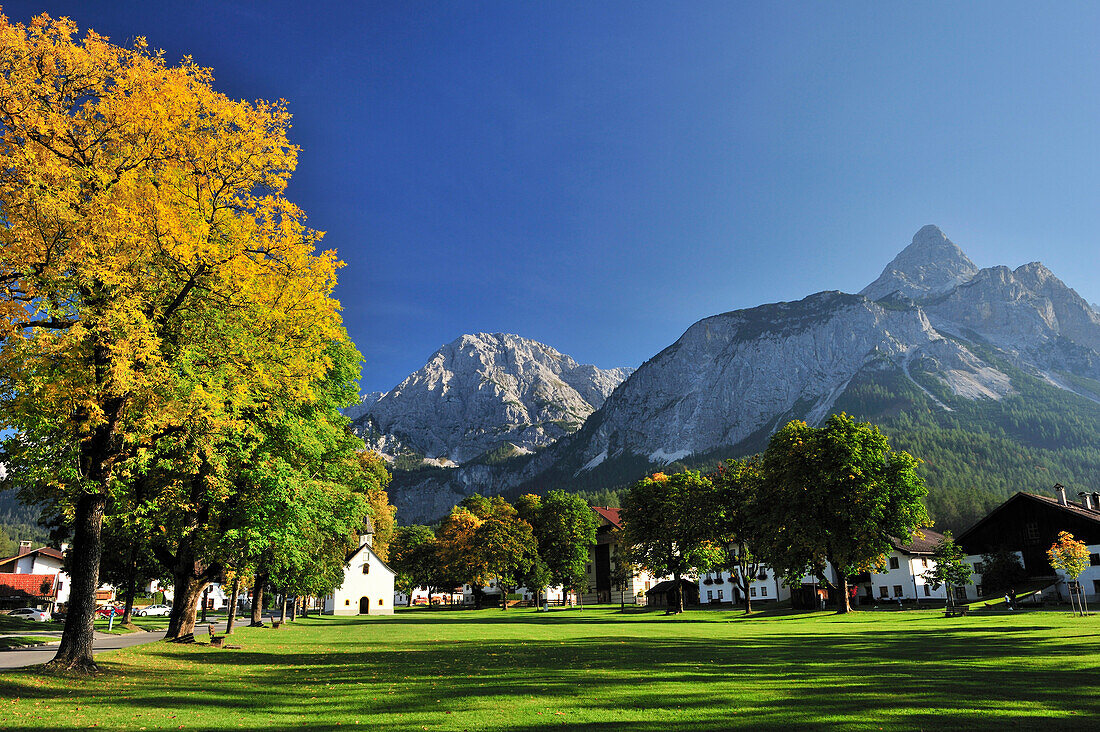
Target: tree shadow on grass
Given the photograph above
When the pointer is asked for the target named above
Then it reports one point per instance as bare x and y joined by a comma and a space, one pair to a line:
895, 678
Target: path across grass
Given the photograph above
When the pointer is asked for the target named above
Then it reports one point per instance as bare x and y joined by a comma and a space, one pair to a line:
596, 669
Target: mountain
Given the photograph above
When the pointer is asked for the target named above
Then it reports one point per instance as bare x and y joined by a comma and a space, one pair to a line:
482, 397
991, 376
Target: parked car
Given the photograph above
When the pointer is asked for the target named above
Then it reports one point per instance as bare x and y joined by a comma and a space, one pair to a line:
107, 611
155, 610
31, 613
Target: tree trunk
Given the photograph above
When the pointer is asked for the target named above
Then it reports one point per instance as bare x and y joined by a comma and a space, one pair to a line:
294, 609
131, 587
679, 592
205, 601
188, 590
282, 614
75, 651
233, 592
745, 597
258, 598
842, 601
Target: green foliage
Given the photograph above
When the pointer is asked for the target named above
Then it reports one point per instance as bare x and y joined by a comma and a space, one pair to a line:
835, 495
566, 528
983, 451
666, 525
413, 557
950, 570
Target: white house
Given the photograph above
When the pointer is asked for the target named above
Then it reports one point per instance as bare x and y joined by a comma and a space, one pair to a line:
719, 587
35, 577
902, 575
368, 583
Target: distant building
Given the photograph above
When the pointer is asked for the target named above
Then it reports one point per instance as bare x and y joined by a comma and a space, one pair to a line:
368, 582
902, 575
1029, 523
34, 577
602, 560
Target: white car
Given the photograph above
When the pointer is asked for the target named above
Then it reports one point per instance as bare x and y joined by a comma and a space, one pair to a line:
155, 610
30, 613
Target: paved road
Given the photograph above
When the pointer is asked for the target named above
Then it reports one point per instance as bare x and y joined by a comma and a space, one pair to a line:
103, 642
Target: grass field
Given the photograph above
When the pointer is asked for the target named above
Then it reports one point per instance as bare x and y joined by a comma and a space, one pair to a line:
596, 669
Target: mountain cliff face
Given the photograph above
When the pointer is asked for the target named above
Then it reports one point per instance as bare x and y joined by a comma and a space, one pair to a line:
483, 396
991, 374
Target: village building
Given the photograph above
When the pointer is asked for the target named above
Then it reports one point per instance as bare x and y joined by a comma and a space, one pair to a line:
34, 577
1028, 524
368, 582
663, 594
602, 563
902, 574
719, 587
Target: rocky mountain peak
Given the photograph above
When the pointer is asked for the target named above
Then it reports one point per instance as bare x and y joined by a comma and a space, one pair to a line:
931, 265
484, 393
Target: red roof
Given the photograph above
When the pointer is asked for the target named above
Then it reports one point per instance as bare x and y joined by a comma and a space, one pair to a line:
611, 514
26, 585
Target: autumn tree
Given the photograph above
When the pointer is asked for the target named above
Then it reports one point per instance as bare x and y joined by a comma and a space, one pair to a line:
373, 483
664, 530
505, 548
456, 549
833, 496
949, 570
152, 274
1071, 556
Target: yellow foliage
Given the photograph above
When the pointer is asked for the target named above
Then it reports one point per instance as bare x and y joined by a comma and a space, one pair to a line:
151, 271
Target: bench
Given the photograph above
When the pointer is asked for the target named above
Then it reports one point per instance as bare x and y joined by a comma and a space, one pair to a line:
955, 612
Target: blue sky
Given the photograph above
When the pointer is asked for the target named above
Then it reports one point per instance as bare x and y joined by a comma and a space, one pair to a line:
598, 176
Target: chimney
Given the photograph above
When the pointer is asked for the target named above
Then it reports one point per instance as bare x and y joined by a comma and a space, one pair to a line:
24, 547
1061, 491
1086, 500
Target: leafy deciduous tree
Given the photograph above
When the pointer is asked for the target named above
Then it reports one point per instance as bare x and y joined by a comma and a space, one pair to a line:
835, 495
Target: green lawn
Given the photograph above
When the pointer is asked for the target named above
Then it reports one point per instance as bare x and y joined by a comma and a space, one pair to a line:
596, 669
8, 642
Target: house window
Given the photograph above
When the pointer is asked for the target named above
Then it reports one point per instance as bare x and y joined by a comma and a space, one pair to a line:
719, 594
1031, 531
366, 569
752, 592
924, 562
978, 589
1094, 559
897, 590
763, 591
710, 595
379, 600
883, 591
588, 568
927, 591
347, 602
1095, 586
893, 563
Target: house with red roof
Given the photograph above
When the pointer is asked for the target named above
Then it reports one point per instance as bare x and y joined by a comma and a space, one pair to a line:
33, 577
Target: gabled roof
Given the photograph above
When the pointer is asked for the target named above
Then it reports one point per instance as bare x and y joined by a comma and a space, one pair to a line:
611, 514
44, 551
373, 554
26, 585
1074, 509
925, 544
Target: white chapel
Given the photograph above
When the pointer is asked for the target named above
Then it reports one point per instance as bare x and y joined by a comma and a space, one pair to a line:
368, 582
